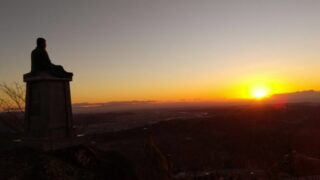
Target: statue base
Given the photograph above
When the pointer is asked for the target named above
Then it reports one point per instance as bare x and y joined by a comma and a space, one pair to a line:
48, 113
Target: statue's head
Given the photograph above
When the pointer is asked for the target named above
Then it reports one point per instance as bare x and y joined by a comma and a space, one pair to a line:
41, 42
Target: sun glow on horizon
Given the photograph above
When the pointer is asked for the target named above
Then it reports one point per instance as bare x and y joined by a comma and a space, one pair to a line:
260, 92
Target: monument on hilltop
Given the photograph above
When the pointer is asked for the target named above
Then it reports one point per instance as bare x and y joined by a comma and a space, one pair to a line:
48, 113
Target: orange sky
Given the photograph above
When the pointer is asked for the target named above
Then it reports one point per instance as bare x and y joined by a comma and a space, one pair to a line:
167, 50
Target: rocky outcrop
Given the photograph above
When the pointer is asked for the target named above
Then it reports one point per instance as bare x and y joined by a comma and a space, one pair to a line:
78, 162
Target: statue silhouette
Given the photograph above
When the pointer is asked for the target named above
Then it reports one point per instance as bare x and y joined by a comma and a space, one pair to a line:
40, 61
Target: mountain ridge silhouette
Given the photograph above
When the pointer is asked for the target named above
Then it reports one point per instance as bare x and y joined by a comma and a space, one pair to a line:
308, 96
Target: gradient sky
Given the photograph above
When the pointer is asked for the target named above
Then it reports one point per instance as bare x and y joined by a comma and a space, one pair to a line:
167, 49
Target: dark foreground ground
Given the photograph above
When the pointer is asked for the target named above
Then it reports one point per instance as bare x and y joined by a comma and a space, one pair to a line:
258, 141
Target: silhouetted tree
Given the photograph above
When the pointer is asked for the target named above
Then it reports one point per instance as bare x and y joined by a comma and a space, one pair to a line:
12, 97
12, 100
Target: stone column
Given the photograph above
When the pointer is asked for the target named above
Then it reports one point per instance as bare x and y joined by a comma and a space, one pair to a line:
48, 113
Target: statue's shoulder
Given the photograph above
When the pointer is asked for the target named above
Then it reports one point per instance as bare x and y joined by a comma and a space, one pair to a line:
37, 52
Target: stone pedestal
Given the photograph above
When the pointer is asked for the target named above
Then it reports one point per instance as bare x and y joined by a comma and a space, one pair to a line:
48, 113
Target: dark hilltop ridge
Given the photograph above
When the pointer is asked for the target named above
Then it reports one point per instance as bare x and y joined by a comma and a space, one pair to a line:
77, 162
82, 162
262, 142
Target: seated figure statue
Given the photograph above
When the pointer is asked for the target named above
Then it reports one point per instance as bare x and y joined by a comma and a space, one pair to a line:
40, 61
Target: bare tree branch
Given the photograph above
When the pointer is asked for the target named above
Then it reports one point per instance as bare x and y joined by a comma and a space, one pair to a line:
12, 102
15, 97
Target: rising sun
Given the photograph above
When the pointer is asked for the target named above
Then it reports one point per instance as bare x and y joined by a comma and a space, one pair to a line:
259, 92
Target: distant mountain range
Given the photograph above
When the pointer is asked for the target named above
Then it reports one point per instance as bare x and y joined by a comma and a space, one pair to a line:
310, 96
